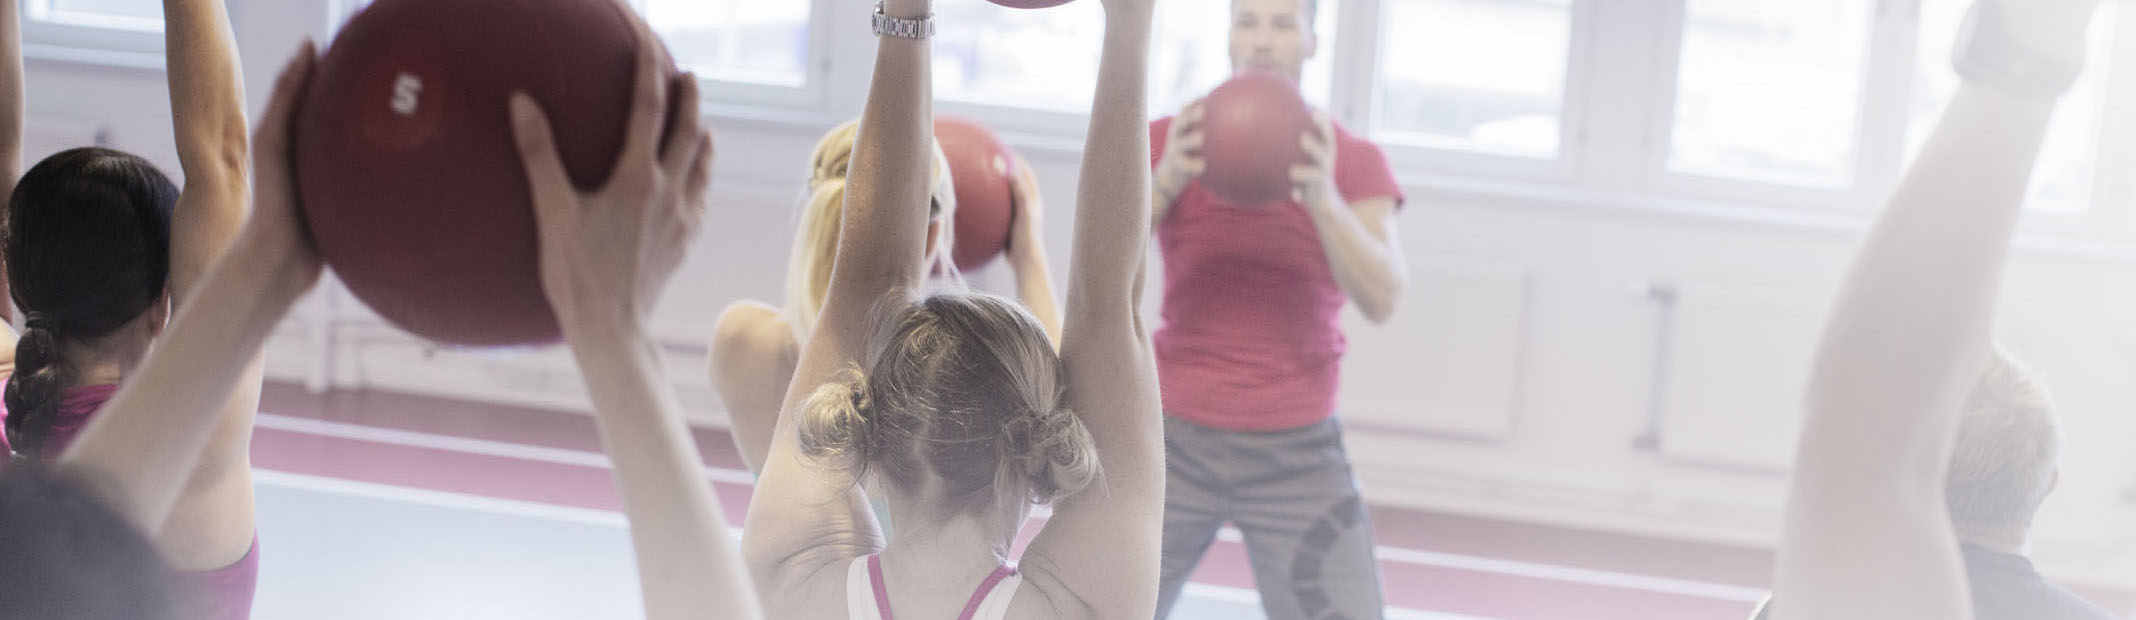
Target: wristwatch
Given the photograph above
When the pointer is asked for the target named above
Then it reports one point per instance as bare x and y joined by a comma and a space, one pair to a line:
887, 26
1987, 53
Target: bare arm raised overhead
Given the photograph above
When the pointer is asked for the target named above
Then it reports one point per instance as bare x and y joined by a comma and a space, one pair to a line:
143, 446
212, 524
606, 256
12, 102
1097, 557
1867, 532
805, 519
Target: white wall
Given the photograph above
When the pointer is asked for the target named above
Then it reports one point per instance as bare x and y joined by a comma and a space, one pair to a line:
1538, 368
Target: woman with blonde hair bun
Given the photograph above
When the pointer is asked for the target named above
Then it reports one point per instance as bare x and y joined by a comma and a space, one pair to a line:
755, 345
956, 404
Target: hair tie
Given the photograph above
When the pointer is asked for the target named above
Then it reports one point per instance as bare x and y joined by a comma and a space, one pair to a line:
40, 321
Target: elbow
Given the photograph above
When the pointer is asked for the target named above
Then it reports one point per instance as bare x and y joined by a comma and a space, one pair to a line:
1379, 306
223, 164
1378, 311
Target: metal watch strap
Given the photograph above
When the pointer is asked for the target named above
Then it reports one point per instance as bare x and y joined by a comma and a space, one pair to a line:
887, 26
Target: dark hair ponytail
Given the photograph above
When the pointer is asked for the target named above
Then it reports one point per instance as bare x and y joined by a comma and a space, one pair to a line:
87, 245
32, 393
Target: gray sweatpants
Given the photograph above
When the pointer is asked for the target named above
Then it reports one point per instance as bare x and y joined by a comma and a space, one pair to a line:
1293, 497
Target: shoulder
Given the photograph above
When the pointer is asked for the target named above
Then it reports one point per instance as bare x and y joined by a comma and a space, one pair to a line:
825, 591
1354, 144
749, 331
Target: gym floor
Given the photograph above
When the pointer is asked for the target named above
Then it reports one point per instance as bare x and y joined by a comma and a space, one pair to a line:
378, 505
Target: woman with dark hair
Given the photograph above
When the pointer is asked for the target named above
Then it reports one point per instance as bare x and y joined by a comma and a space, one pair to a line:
100, 247
76, 545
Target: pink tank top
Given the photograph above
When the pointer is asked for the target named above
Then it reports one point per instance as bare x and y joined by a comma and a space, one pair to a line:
227, 592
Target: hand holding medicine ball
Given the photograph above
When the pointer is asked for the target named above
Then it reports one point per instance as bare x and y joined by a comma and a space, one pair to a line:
405, 158
277, 234
607, 253
1313, 182
1182, 162
1027, 213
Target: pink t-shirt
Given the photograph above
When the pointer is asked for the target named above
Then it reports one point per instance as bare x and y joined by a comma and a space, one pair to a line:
226, 592
1252, 337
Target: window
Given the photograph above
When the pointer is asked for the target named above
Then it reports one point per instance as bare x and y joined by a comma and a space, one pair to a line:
736, 40
1048, 59
1044, 59
1771, 91
143, 15
1483, 75
1190, 52
2062, 180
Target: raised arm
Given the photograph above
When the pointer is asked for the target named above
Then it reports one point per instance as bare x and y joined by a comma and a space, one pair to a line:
1097, 557
1867, 533
212, 524
606, 256
142, 448
12, 102
1026, 252
208, 120
803, 518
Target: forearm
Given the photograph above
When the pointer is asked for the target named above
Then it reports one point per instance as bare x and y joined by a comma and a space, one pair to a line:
145, 445
1368, 266
1160, 204
1867, 533
1112, 212
883, 236
13, 101
1034, 286
207, 92
1912, 320
688, 564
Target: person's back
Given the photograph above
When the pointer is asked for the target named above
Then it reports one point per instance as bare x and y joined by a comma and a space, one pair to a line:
2002, 468
2005, 586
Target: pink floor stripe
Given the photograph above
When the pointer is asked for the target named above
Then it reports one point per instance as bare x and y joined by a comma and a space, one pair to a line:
579, 486
1450, 590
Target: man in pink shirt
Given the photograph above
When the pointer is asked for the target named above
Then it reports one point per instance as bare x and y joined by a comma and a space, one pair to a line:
1251, 343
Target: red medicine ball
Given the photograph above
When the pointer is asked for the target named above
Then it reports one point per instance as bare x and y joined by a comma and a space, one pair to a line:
984, 174
406, 165
1251, 128
1030, 4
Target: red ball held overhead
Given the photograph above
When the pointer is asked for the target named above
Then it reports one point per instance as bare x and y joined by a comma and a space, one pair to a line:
406, 165
1251, 128
1030, 4
984, 172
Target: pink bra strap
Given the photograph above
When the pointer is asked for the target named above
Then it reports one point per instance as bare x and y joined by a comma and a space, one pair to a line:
882, 594
985, 588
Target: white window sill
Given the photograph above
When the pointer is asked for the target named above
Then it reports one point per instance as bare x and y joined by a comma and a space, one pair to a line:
1551, 199
67, 54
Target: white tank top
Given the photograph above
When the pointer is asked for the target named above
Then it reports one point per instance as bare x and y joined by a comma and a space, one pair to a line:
867, 599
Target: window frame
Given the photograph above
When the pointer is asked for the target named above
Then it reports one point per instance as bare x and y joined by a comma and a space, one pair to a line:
46, 38
1613, 142
1362, 100
1873, 138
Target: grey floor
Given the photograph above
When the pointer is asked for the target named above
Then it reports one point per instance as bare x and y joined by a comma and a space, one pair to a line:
333, 550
